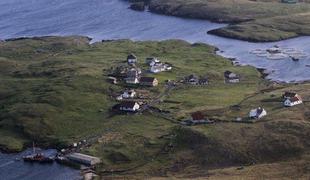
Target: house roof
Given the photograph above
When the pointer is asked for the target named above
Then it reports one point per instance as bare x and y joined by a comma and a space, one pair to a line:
289, 94
229, 74
128, 104
131, 56
294, 99
197, 116
147, 79
192, 77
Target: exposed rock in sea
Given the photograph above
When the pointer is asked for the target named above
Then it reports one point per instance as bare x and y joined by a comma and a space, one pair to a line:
138, 6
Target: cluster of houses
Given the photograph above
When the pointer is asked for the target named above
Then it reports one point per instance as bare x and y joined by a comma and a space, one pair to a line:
289, 99
229, 77
133, 75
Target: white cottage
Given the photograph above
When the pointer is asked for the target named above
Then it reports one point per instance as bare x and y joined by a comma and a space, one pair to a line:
132, 59
127, 94
231, 77
151, 61
289, 102
257, 113
129, 106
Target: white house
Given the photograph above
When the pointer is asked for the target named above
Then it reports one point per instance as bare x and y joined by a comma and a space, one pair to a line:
132, 59
257, 113
231, 77
160, 67
289, 102
151, 61
129, 106
127, 94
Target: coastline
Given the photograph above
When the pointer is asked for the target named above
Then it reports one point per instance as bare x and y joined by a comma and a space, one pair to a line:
236, 23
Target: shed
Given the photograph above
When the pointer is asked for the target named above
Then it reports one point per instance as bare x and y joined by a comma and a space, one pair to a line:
84, 159
257, 113
129, 106
132, 59
148, 81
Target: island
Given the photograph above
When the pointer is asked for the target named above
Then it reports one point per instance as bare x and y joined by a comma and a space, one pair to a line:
189, 118
255, 21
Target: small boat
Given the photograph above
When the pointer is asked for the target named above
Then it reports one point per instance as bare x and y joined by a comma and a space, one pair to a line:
37, 157
294, 58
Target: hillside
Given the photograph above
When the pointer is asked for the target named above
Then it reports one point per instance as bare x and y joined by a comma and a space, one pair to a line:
54, 91
257, 21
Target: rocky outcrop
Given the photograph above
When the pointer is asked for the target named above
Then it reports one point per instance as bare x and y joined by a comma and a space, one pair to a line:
138, 6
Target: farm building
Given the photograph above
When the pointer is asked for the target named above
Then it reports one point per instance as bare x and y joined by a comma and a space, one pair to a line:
197, 118
148, 81
133, 76
195, 80
127, 94
84, 159
203, 81
192, 79
289, 102
132, 59
160, 67
257, 113
129, 106
291, 99
151, 61
231, 77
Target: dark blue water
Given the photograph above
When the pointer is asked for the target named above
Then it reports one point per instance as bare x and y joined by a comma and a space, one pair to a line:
111, 19
12, 167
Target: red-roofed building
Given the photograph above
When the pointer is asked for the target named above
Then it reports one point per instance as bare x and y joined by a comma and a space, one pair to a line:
198, 117
289, 102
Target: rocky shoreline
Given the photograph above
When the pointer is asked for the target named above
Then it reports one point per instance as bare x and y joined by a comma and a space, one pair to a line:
241, 26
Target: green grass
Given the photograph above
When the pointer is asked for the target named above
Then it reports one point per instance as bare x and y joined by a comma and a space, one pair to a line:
53, 91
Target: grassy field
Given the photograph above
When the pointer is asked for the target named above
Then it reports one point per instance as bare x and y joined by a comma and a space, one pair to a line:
54, 91
257, 21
